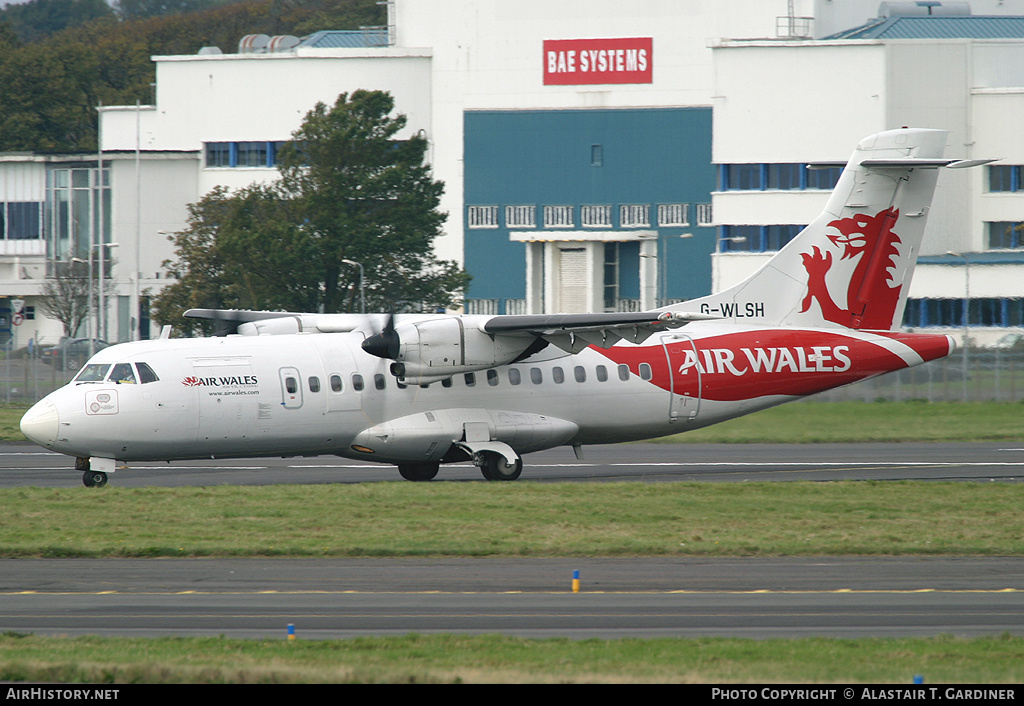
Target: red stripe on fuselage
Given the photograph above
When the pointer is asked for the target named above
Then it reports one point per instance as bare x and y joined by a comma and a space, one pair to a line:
744, 365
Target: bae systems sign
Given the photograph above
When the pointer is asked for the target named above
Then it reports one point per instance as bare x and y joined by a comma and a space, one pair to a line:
588, 61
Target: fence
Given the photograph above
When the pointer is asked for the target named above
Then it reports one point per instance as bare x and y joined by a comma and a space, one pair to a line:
972, 375
968, 375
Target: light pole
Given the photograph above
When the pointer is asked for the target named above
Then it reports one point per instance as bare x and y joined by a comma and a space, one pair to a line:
966, 315
362, 278
101, 323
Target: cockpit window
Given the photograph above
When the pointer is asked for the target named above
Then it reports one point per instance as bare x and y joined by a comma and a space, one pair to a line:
123, 374
146, 373
93, 372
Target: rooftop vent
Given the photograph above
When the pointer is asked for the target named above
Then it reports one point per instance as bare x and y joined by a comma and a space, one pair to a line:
253, 44
924, 7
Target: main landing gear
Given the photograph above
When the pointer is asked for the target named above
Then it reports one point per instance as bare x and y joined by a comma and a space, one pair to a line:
493, 466
418, 471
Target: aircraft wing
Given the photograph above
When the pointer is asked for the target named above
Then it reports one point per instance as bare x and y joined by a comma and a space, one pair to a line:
574, 332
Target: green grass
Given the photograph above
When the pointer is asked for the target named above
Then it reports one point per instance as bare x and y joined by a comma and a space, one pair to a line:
386, 519
497, 659
854, 422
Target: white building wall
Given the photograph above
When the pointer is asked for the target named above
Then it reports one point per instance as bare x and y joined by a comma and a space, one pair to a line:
812, 101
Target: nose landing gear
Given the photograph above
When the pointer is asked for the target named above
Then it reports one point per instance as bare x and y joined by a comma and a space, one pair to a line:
91, 478
94, 479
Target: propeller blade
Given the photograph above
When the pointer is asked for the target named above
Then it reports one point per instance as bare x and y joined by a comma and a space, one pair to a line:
385, 344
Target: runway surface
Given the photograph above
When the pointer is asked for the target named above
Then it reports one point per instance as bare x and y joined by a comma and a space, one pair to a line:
26, 464
838, 597
644, 597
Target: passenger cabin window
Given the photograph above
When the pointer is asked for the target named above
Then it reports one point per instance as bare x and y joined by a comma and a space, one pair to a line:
602, 374
492, 377
146, 373
336, 385
291, 385
470, 379
580, 373
536, 376
123, 374
558, 375
314, 384
513, 376
623, 372
379, 382
357, 382
645, 371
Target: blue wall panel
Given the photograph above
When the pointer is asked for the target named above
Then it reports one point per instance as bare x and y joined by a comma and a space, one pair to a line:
547, 158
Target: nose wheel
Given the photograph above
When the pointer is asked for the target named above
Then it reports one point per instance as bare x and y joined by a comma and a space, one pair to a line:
94, 479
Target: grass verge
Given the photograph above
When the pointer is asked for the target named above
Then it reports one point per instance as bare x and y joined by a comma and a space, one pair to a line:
498, 659
386, 519
854, 422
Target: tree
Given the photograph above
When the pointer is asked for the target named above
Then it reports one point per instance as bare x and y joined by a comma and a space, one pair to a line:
69, 297
348, 190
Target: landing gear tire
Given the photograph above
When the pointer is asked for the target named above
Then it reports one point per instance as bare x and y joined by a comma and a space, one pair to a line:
418, 471
94, 479
495, 467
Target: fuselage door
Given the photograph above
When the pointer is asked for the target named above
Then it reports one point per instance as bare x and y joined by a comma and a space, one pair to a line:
291, 388
684, 376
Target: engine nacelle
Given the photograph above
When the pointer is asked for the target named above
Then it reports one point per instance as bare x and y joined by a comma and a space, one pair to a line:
436, 349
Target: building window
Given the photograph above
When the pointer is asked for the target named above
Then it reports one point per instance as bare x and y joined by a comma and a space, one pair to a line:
757, 238
742, 177
596, 216
673, 214
482, 216
704, 214
786, 177
634, 215
1004, 177
231, 155
20, 220
597, 155
825, 179
1005, 235
72, 212
558, 217
252, 154
949, 313
218, 154
521, 216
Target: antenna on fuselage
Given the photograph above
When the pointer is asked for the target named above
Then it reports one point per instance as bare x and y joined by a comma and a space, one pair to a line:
165, 332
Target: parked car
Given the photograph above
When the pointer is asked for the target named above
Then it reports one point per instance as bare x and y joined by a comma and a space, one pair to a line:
70, 354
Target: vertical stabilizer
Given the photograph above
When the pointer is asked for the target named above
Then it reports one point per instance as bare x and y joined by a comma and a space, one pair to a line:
852, 266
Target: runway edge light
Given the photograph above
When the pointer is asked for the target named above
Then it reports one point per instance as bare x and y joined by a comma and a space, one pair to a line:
576, 581
291, 631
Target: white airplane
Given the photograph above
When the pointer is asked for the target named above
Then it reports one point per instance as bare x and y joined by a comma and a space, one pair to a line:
418, 391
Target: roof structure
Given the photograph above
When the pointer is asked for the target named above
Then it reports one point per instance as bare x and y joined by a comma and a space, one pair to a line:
937, 27
347, 39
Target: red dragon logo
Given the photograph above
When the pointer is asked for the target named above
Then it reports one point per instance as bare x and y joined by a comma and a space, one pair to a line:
191, 381
871, 298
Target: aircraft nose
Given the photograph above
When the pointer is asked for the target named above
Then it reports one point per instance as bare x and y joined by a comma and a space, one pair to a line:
40, 423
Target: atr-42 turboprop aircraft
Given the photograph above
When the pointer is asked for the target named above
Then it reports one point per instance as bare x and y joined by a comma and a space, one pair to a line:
418, 391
